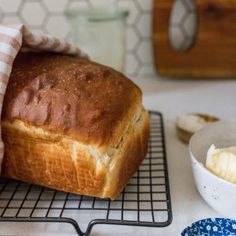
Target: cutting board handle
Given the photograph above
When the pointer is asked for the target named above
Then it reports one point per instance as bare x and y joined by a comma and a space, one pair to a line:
182, 24
214, 50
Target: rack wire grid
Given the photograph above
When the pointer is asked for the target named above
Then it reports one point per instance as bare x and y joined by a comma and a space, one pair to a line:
144, 202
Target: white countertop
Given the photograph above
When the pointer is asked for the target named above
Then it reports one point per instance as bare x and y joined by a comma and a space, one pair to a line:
171, 97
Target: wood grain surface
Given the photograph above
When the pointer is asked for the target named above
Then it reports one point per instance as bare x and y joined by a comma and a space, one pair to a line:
213, 53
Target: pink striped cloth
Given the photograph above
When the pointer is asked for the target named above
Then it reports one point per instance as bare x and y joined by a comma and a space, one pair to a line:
12, 39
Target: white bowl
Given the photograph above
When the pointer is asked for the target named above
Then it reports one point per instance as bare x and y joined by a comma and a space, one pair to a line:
218, 193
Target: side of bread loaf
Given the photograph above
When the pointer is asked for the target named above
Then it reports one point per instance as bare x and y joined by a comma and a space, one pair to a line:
72, 125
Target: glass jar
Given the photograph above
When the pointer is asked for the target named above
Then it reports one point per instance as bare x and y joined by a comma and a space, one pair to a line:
100, 33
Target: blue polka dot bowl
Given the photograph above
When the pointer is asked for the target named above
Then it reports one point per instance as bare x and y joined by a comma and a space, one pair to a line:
211, 227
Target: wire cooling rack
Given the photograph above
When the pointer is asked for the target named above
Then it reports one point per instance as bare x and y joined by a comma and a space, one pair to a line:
144, 202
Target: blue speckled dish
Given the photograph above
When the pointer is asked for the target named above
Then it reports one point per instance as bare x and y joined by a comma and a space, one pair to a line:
211, 227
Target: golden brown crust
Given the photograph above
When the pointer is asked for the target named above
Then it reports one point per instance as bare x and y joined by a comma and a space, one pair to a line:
130, 157
37, 156
72, 125
71, 96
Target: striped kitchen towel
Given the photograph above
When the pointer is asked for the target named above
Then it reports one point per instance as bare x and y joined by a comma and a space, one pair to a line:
12, 39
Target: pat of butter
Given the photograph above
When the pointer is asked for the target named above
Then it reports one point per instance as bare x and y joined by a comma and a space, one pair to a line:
191, 123
222, 162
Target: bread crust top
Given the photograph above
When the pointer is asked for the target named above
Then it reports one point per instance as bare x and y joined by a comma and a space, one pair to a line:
67, 95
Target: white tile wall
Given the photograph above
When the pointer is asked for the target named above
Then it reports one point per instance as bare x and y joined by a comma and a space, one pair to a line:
48, 16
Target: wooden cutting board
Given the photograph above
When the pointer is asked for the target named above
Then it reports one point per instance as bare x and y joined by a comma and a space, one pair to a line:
213, 53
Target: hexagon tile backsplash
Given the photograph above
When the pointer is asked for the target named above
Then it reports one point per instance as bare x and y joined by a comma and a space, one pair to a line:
48, 16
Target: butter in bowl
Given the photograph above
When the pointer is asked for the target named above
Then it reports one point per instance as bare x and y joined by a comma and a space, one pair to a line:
222, 162
212, 166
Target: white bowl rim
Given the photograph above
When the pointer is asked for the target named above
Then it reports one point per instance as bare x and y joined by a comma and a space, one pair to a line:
202, 165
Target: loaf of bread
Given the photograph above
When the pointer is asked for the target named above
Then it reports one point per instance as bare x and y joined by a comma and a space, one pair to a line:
72, 125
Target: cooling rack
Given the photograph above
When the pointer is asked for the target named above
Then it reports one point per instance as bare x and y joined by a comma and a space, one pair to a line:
144, 202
